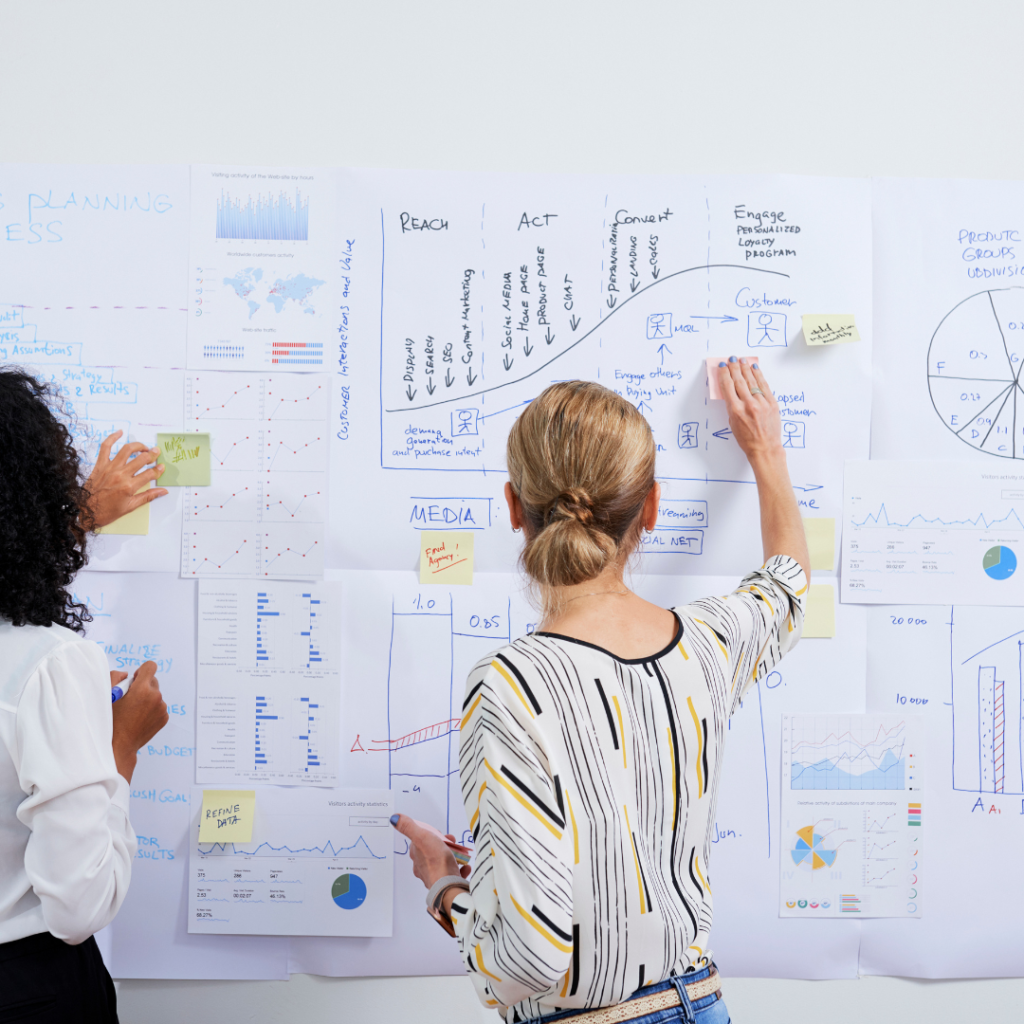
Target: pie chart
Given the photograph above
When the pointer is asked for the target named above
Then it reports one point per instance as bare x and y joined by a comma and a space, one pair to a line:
974, 371
999, 562
348, 891
808, 850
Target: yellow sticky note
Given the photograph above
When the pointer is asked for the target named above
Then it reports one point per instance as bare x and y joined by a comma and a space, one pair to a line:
829, 328
136, 523
821, 542
446, 557
227, 816
187, 458
820, 612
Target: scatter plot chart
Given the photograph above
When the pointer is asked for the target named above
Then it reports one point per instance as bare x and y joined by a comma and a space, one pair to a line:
320, 863
268, 683
268, 441
852, 801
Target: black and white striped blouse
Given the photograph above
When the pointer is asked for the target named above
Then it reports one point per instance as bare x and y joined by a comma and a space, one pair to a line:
590, 783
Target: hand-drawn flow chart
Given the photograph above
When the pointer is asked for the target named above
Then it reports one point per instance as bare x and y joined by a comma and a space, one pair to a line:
485, 301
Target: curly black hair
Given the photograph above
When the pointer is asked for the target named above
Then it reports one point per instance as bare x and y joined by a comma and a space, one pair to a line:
43, 507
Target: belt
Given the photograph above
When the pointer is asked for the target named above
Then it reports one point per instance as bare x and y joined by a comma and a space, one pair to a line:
664, 1000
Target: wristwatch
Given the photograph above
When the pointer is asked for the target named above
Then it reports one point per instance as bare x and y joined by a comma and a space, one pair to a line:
435, 898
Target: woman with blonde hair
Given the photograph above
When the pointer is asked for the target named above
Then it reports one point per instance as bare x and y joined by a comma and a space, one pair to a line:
590, 750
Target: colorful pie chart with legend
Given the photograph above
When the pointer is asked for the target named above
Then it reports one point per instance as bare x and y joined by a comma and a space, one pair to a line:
348, 891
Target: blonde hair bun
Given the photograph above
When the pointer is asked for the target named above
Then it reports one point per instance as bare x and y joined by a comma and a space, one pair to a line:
581, 461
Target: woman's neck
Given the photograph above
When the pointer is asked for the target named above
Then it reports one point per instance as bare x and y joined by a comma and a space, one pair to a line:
606, 613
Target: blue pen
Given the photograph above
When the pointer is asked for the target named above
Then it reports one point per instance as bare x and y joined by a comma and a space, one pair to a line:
117, 692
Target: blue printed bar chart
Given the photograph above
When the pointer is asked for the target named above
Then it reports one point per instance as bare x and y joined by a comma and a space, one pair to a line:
277, 218
268, 683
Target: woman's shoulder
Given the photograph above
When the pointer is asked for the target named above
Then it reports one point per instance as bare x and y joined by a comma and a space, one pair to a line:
23, 649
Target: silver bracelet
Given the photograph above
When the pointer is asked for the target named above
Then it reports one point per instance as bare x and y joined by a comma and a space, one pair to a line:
436, 892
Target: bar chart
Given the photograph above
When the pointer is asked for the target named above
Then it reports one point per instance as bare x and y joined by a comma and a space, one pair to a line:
268, 684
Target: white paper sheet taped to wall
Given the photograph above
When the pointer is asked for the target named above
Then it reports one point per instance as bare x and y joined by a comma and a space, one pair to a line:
407, 294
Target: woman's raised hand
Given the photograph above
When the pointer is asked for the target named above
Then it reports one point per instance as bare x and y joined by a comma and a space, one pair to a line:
753, 412
114, 483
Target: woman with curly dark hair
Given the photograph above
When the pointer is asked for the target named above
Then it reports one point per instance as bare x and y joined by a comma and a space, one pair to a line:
66, 758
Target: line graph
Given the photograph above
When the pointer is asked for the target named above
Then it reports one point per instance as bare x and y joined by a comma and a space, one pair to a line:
269, 457
296, 497
233, 402
281, 407
239, 454
219, 504
304, 561
360, 848
294, 455
216, 549
835, 754
918, 521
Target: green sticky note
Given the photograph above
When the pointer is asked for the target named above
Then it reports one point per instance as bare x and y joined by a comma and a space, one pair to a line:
187, 458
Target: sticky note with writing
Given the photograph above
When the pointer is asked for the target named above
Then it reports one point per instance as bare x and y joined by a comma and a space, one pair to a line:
821, 542
227, 815
187, 458
446, 557
135, 523
829, 329
820, 611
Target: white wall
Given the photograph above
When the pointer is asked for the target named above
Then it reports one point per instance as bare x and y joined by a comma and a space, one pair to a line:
876, 87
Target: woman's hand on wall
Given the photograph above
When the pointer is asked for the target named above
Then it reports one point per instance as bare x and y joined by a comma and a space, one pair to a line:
114, 483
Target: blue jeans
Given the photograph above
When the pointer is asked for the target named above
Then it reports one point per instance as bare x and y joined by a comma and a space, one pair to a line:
709, 1010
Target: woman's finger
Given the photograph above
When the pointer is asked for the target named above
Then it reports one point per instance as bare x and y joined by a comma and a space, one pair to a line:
748, 377
755, 369
741, 386
140, 479
145, 497
726, 386
108, 443
128, 450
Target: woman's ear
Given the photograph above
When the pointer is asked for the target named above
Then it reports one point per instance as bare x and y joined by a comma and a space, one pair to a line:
515, 510
651, 507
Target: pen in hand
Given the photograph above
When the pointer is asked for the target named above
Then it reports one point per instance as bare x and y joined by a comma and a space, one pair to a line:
118, 691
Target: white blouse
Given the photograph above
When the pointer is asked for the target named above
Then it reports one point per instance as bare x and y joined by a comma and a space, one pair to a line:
590, 783
66, 844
